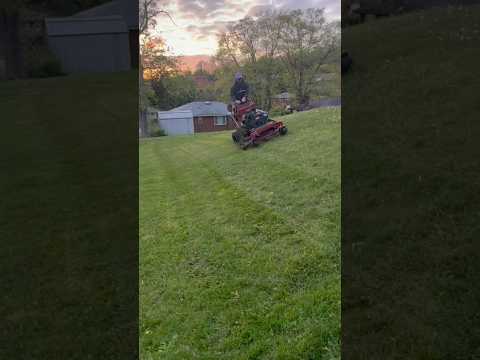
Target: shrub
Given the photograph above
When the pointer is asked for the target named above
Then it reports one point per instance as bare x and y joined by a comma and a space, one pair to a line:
48, 68
157, 132
154, 129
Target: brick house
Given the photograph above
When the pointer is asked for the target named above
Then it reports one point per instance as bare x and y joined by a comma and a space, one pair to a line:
209, 116
206, 116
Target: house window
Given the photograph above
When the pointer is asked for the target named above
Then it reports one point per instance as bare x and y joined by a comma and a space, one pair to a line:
220, 121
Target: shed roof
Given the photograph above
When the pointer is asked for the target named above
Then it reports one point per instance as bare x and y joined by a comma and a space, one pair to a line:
80, 26
127, 9
205, 108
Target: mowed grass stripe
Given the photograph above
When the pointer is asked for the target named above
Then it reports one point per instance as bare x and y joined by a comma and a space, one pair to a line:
224, 273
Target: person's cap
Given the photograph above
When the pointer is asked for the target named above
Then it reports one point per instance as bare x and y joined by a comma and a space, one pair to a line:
238, 76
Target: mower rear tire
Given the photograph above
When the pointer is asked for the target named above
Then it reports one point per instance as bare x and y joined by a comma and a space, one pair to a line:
283, 130
236, 137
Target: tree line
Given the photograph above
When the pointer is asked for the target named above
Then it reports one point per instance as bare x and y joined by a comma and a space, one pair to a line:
276, 50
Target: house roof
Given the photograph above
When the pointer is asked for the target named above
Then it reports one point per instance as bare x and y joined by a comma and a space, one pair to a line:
127, 9
205, 108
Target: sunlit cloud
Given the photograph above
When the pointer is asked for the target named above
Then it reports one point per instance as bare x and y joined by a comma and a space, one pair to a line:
198, 22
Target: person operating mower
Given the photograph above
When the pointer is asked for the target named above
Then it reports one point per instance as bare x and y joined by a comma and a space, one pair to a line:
240, 89
239, 93
253, 125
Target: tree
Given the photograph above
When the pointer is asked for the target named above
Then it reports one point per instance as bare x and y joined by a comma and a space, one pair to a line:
157, 62
204, 69
148, 11
158, 65
165, 87
296, 43
307, 41
270, 30
173, 91
228, 52
251, 45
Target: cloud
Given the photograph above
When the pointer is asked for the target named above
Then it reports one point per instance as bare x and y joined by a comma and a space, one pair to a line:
201, 20
332, 7
258, 9
202, 32
211, 11
199, 8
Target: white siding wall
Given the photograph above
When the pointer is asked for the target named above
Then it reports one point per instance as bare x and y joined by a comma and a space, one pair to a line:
176, 122
90, 45
92, 53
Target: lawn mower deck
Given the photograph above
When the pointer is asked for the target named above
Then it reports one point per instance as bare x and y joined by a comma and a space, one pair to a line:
253, 137
253, 125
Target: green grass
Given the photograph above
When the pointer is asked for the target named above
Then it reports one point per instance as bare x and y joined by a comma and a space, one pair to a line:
239, 250
68, 217
410, 173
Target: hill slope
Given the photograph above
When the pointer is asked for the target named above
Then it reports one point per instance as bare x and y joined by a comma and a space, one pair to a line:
239, 250
410, 171
68, 184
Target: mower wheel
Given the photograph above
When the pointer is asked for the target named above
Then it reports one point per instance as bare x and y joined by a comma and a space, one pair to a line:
236, 137
283, 130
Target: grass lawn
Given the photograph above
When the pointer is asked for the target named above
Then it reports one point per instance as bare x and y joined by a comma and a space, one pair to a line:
410, 166
240, 250
68, 217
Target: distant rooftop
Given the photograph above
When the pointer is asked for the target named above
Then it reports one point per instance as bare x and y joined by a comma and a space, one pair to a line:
205, 108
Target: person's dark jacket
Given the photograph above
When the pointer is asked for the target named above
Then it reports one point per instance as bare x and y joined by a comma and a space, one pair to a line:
240, 85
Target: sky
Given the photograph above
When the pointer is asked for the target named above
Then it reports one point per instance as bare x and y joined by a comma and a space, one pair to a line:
198, 21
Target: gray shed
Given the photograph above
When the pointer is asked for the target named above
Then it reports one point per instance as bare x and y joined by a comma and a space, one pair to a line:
176, 122
101, 39
90, 44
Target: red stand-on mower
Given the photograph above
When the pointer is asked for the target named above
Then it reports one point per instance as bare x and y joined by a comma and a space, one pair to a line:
253, 125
